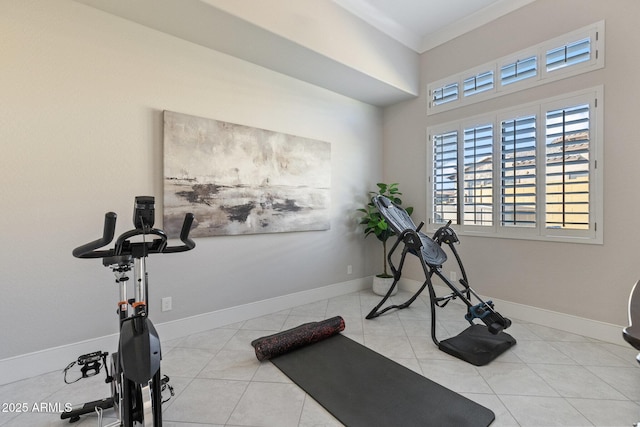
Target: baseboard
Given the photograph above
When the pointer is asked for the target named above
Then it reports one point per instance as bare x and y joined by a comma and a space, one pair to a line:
48, 360
203, 322
565, 322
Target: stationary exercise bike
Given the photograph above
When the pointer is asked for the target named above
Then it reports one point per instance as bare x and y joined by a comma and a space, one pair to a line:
134, 375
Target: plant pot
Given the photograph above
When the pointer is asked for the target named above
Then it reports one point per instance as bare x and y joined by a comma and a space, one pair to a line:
381, 285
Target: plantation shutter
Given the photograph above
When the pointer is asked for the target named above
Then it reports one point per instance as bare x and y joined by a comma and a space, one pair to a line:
478, 175
518, 172
445, 94
478, 83
518, 70
445, 178
569, 54
567, 168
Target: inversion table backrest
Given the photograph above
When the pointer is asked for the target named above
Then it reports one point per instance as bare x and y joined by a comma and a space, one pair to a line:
399, 220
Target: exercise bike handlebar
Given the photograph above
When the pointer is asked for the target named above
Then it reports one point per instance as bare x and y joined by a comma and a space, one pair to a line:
188, 244
88, 250
124, 247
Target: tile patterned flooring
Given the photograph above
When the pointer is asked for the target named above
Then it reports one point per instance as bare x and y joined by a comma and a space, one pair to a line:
550, 378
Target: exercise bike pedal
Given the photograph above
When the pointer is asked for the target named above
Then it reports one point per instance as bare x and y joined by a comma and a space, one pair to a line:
164, 385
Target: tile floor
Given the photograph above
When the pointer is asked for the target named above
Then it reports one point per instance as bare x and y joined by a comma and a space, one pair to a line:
550, 378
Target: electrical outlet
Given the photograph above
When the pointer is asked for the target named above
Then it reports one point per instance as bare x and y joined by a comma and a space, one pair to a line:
166, 304
349, 269
453, 276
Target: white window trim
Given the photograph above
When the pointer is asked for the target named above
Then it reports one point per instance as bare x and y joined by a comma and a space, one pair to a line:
594, 31
594, 96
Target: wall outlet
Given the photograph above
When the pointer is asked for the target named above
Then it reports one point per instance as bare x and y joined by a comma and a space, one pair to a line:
349, 269
166, 304
453, 276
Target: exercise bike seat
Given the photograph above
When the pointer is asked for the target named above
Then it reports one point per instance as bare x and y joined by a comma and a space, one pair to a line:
399, 220
631, 333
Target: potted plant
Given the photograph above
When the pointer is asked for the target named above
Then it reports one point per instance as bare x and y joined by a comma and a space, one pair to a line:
375, 224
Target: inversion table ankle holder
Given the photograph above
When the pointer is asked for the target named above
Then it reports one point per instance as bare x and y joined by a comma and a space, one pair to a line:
479, 344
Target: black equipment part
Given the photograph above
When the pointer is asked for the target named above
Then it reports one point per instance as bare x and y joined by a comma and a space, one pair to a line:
631, 333
139, 349
91, 357
432, 257
91, 364
144, 212
477, 345
123, 245
136, 365
86, 408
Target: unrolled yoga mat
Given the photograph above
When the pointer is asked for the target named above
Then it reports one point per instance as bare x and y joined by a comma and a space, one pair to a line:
363, 388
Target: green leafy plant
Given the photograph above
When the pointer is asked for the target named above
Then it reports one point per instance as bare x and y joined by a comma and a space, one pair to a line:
375, 224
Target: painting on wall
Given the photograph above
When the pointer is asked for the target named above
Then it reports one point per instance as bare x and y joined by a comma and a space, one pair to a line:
242, 180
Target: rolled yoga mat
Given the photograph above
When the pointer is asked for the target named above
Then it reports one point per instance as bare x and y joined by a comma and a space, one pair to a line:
300, 336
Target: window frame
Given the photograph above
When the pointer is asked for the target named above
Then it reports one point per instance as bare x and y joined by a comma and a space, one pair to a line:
593, 235
595, 32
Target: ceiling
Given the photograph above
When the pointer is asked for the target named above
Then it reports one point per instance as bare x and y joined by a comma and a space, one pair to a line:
424, 24
259, 35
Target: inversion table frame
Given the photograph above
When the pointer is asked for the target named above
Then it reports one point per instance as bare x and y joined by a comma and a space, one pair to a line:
478, 344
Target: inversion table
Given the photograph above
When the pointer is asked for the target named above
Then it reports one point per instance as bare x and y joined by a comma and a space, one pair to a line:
631, 333
480, 343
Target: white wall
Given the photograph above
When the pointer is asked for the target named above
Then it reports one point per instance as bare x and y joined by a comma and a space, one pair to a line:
81, 130
589, 281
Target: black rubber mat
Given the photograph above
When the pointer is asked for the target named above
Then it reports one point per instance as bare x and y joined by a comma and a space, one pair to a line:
363, 388
477, 345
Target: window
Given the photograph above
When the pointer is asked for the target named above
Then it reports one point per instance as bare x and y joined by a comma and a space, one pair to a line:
445, 177
518, 70
567, 167
518, 172
478, 175
571, 54
444, 94
478, 83
527, 172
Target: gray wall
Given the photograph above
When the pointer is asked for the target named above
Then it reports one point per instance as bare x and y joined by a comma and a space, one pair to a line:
81, 130
590, 281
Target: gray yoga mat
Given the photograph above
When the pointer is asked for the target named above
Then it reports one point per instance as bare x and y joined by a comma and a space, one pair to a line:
363, 388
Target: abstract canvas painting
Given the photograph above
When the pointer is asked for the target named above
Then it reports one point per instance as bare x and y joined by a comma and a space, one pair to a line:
242, 180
